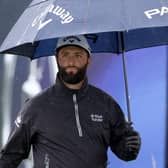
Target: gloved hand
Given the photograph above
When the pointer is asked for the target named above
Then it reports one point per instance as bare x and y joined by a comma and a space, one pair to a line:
132, 145
129, 146
126, 143
133, 142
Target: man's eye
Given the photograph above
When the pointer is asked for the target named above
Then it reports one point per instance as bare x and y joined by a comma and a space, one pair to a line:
63, 55
79, 55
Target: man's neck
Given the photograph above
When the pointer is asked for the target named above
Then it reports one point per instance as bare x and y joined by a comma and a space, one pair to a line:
74, 86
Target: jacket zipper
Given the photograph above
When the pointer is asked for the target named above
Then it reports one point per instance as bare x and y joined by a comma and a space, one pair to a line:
47, 161
77, 115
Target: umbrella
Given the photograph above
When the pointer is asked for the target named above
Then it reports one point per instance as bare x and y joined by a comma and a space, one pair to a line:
47, 19
110, 26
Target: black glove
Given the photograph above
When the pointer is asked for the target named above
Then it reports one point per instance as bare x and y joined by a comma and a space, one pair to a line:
129, 146
133, 142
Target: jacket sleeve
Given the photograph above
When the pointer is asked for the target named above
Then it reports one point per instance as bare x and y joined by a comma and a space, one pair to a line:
120, 131
19, 142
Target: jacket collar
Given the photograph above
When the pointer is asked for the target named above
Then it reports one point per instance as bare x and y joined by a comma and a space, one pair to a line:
62, 90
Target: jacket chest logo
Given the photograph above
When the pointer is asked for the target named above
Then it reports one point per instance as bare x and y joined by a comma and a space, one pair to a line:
96, 118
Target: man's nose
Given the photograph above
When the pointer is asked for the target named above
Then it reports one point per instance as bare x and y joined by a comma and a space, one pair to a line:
71, 60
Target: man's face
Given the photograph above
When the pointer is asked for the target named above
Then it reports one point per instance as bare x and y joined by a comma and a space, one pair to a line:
72, 63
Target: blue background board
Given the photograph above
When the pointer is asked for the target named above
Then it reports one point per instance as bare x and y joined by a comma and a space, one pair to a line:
146, 69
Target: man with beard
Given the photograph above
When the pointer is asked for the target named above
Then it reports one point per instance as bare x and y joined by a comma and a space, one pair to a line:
72, 123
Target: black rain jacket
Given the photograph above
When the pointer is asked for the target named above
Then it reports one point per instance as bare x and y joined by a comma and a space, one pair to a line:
68, 129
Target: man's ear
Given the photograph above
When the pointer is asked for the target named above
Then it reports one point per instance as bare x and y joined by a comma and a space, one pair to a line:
89, 60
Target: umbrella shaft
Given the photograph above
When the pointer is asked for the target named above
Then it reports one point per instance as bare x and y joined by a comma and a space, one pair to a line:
126, 87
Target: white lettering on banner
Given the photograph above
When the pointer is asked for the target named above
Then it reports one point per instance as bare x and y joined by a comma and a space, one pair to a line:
64, 15
162, 11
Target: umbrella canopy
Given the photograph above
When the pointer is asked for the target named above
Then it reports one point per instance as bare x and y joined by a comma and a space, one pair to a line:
45, 20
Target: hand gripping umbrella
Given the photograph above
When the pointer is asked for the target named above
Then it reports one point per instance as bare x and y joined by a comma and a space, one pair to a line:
111, 26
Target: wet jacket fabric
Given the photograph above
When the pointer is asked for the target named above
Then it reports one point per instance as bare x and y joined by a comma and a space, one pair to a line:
68, 129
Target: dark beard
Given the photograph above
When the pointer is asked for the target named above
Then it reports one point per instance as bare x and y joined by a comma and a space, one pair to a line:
71, 78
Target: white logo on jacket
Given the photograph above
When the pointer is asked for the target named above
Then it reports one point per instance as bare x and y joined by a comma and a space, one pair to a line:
96, 118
